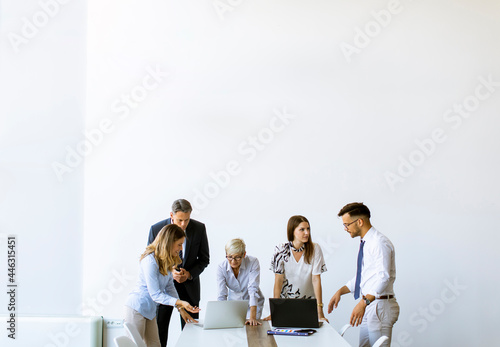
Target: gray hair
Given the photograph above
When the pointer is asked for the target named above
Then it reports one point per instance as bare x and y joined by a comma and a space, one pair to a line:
181, 205
235, 246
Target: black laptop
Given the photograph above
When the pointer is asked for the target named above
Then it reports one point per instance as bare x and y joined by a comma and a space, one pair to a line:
294, 313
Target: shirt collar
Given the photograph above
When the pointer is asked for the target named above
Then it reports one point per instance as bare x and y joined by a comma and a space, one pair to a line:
369, 234
243, 263
242, 266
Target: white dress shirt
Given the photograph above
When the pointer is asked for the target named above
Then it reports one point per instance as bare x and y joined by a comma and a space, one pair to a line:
245, 287
151, 289
378, 270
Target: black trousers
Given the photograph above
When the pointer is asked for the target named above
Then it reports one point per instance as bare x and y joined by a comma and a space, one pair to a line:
164, 313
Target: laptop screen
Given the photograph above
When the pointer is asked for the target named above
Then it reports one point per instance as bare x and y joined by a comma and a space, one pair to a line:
294, 313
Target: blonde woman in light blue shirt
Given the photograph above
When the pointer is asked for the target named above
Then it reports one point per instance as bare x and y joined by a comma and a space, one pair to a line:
238, 278
155, 285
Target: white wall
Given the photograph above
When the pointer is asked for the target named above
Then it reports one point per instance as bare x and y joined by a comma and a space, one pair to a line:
220, 80
42, 88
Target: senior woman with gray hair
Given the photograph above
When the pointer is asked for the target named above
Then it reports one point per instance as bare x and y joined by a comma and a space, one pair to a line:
238, 278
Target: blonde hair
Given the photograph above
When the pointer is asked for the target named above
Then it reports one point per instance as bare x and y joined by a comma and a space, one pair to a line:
235, 246
161, 247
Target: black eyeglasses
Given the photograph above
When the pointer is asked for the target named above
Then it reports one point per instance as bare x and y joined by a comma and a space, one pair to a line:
346, 225
237, 258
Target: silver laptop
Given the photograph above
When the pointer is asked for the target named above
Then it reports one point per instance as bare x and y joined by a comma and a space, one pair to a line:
225, 314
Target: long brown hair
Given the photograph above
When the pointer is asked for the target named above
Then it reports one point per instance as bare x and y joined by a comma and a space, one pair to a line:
293, 223
162, 248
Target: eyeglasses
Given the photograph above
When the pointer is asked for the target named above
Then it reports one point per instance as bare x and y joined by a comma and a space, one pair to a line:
346, 225
237, 258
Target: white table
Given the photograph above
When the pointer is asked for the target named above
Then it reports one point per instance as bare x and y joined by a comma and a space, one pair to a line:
326, 335
194, 335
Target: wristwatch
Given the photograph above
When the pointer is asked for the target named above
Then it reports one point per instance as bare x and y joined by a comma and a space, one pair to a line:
366, 300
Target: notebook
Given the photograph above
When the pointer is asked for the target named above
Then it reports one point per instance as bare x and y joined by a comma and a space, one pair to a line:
293, 332
294, 313
225, 314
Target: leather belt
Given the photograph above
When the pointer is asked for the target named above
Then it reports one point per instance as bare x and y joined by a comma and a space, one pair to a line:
385, 297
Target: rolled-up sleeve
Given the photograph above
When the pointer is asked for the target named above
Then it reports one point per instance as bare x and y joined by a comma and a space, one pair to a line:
151, 277
221, 282
350, 284
254, 283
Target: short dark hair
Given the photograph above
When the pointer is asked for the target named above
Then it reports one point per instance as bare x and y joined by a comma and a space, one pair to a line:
181, 205
355, 209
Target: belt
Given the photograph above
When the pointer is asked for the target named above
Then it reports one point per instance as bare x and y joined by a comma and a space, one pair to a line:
384, 297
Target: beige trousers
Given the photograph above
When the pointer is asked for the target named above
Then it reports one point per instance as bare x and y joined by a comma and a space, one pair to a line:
148, 329
378, 321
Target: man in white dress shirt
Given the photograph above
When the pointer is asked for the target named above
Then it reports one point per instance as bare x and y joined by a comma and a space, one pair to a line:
378, 310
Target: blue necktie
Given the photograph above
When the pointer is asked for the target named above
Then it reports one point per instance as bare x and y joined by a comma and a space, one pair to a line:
180, 255
357, 288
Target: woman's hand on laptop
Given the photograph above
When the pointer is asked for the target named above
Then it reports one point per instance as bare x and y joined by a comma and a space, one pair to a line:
267, 318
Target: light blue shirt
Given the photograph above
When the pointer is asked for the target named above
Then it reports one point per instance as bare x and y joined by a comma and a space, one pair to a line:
245, 287
152, 289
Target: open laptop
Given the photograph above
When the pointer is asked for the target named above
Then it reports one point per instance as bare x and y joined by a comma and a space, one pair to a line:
294, 313
225, 314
